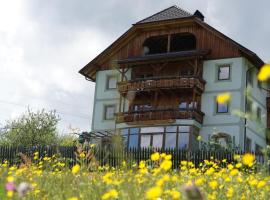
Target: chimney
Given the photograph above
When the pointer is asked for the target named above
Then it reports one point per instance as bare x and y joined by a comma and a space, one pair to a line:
199, 15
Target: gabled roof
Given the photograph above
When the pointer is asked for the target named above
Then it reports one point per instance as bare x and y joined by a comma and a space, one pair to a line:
172, 12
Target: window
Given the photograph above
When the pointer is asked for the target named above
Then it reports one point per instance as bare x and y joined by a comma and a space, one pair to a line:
224, 72
145, 140
259, 83
249, 106
170, 140
183, 140
222, 108
259, 113
248, 144
182, 42
111, 82
157, 140
258, 149
155, 45
183, 106
250, 78
109, 112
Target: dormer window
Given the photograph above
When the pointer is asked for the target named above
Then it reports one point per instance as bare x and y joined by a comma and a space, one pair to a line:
182, 42
155, 45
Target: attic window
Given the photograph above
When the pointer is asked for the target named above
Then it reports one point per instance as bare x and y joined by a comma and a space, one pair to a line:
155, 45
183, 42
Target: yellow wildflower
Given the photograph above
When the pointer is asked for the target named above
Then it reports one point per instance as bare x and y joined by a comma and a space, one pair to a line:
261, 184
175, 194
73, 198
213, 184
199, 181
223, 98
153, 193
110, 194
238, 165
10, 179
155, 156
264, 73
82, 155
142, 164
234, 172
199, 138
183, 162
230, 192
10, 194
168, 157
166, 165
248, 159
75, 169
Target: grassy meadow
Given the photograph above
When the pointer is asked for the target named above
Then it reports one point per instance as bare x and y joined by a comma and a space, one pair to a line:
49, 178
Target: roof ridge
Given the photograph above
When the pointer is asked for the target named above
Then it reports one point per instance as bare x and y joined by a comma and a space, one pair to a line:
182, 9
156, 13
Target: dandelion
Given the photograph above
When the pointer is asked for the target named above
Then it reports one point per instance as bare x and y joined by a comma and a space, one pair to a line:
155, 156
10, 194
248, 159
110, 194
230, 192
223, 98
82, 155
261, 184
73, 198
75, 169
166, 165
213, 184
153, 193
264, 73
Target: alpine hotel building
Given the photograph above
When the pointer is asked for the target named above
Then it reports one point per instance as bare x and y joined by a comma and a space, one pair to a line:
157, 84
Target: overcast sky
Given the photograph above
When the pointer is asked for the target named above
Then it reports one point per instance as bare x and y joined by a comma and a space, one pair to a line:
43, 45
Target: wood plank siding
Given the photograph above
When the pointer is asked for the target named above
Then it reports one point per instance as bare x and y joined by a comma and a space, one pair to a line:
220, 48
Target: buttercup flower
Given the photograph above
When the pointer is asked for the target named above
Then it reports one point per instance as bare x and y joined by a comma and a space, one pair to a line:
75, 169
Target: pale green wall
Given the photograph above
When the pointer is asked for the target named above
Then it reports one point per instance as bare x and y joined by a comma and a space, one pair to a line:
230, 123
213, 122
104, 97
227, 123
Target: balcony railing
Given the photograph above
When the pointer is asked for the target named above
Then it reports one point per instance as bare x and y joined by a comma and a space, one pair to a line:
139, 116
161, 83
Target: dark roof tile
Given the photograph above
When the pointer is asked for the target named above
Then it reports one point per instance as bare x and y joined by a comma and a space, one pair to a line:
172, 12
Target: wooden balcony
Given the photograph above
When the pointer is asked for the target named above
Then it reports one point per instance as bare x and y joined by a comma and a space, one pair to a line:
161, 83
159, 115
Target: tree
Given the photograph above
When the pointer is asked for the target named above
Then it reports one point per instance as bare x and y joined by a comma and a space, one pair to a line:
31, 129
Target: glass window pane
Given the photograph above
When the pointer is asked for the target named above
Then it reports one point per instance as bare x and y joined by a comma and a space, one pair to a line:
134, 130
183, 106
224, 73
157, 140
183, 140
222, 108
133, 141
112, 82
152, 130
145, 140
184, 128
170, 141
171, 129
124, 131
109, 112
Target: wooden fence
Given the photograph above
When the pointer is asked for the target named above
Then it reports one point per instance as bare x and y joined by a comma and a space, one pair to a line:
115, 157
